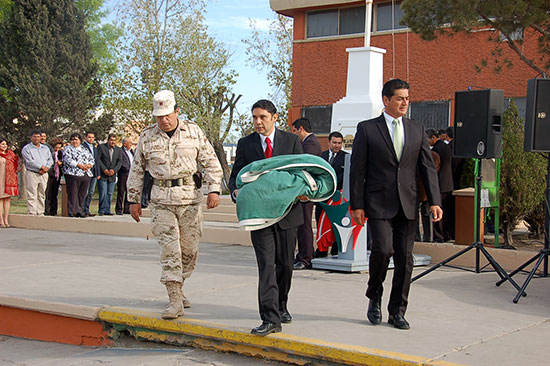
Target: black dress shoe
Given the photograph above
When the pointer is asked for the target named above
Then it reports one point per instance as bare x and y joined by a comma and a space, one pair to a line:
266, 328
119, 213
286, 317
374, 313
300, 265
90, 214
108, 213
398, 321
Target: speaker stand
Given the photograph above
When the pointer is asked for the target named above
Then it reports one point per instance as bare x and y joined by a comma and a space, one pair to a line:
542, 257
477, 244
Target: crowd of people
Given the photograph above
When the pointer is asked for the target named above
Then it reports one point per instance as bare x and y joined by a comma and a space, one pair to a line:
43, 167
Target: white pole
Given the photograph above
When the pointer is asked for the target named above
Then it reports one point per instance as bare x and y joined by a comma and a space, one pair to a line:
368, 22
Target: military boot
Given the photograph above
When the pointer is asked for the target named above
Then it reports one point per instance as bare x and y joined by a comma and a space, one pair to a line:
186, 302
175, 307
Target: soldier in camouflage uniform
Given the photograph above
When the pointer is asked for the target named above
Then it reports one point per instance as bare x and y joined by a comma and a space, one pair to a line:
172, 150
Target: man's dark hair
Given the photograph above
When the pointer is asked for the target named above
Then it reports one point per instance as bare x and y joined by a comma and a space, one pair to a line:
111, 135
3, 139
89, 132
431, 132
450, 131
302, 122
335, 134
265, 104
36, 132
392, 85
75, 135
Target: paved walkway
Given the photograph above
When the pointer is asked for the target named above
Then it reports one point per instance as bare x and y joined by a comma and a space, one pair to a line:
456, 316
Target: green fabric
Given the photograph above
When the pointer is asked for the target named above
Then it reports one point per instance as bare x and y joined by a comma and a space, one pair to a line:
269, 187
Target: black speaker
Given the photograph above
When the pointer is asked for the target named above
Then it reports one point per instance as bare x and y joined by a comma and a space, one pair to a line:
478, 123
537, 116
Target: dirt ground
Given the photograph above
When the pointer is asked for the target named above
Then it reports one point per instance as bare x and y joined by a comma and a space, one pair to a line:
522, 241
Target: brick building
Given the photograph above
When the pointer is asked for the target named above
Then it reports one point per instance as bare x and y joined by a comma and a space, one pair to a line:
324, 29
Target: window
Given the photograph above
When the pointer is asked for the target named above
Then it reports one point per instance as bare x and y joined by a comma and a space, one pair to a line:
517, 35
336, 22
384, 20
322, 23
352, 20
320, 117
434, 114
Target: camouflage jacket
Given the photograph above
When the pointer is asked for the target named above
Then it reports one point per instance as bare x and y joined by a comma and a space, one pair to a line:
179, 156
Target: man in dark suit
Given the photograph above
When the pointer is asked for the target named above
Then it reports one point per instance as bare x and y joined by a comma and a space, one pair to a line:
122, 205
336, 157
442, 230
89, 143
274, 246
387, 153
310, 145
110, 161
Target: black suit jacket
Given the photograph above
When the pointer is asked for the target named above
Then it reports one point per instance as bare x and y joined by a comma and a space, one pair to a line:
338, 166
249, 149
379, 183
311, 145
95, 153
445, 173
126, 163
105, 162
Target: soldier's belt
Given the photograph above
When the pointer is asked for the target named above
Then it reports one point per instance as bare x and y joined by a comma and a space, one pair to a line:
167, 183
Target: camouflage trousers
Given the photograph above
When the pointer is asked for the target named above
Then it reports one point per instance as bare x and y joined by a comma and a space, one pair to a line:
178, 230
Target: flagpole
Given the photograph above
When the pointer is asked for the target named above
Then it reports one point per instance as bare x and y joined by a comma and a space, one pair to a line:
368, 22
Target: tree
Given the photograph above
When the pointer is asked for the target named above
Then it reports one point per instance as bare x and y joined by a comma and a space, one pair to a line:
431, 18
522, 178
272, 52
47, 79
166, 46
103, 35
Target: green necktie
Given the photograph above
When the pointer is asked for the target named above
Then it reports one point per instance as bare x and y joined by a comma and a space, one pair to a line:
397, 139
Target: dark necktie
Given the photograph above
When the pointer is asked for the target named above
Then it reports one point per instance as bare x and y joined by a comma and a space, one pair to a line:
269, 148
332, 155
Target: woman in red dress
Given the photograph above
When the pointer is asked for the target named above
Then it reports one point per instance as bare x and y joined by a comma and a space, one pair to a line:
8, 180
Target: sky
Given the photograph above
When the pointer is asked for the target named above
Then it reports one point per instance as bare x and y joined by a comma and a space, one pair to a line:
229, 21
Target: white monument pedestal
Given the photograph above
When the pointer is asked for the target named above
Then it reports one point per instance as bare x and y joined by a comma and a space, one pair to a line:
363, 98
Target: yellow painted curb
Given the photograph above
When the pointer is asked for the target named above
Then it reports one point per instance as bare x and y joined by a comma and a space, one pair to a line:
279, 346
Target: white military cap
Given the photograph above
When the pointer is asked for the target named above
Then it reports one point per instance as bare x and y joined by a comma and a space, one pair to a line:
163, 103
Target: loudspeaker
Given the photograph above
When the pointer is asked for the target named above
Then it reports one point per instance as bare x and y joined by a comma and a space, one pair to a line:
537, 116
478, 123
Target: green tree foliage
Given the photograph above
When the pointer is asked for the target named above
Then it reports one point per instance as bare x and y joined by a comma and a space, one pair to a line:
4, 7
166, 46
431, 18
103, 35
47, 79
271, 51
522, 179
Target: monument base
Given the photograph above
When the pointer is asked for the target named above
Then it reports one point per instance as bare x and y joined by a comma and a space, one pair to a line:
346, 265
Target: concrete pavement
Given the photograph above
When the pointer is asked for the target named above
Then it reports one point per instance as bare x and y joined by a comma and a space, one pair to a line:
112, 281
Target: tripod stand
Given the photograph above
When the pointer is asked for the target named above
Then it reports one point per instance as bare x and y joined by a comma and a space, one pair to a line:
543, 254
477, 245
